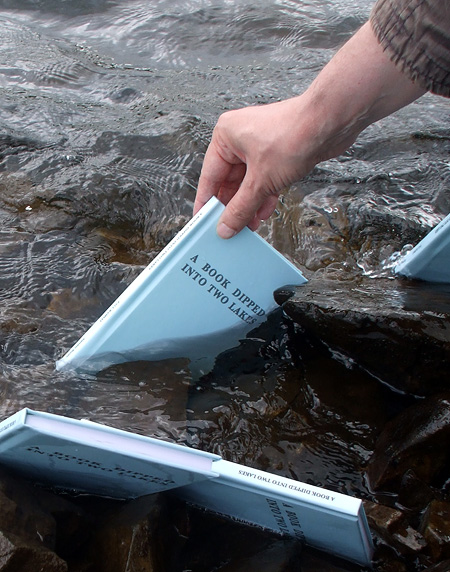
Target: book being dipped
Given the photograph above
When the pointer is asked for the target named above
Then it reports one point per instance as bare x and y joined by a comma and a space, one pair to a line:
429, 260
87, 457
197, 298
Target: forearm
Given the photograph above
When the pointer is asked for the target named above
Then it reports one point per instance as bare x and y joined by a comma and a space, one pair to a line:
359, 86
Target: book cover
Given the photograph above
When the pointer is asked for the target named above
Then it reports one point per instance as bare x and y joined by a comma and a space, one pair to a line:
92, 458
326, 520
198, 297
83, 456
429, 260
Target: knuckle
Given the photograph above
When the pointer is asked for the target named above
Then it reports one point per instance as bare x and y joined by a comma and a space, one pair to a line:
238, 213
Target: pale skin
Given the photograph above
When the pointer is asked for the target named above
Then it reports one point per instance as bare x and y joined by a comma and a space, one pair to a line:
257, 152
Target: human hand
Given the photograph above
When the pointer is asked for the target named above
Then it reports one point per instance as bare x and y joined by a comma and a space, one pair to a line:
258, 151
254, 154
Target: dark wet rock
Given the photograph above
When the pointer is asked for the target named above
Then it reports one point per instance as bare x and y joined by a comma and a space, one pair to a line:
313, 561
408, 541
216, 543
414, 494
17, 555
27, 515
28, 530
138, 532
392, 527
40, 530
417, 440
389, 560
381, 518
441, 567
277, 556
436, 529
397, 330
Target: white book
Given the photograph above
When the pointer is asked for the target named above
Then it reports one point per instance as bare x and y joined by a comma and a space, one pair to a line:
198, 297
88, 457
430, 259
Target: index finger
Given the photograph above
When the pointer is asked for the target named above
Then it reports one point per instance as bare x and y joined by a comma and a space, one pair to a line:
215, 171
243, 208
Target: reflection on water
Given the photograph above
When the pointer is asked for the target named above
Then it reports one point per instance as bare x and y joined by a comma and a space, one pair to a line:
106, 110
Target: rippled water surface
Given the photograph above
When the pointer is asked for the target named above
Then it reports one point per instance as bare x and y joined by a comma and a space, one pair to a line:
106, 109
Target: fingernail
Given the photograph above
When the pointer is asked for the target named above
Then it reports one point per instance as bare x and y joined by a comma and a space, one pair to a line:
224, 231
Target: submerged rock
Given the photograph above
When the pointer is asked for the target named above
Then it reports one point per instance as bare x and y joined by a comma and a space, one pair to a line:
19, 555
436, 529
411, 464
416, 440
441, 567
28, 529
137, 533
397, 330
414, 494
41, 530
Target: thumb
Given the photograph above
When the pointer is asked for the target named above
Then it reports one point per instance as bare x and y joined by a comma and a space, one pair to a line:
245, 208
238, 214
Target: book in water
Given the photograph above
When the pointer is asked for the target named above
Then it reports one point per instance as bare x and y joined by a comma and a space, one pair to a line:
329, 521
198, 297
89, 457
83, 456
429, 260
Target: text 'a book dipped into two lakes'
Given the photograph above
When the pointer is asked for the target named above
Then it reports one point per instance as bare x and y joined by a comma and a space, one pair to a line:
197, 298
86, 457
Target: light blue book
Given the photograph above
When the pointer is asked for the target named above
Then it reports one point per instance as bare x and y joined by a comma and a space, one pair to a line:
326, 520
83, 456
430, 259
198, 297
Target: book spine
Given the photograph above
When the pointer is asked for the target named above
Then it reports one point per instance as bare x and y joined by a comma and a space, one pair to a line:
366, 538
11, 423
276, 485
89, 433
211, 209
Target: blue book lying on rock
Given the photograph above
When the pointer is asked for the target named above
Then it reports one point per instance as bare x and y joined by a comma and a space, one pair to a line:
197, 298
430, 259
82, 456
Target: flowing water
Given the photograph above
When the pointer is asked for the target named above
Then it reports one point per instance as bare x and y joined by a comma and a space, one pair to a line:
106, 109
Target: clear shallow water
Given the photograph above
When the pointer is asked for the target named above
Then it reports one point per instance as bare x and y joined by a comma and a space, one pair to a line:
106, 109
